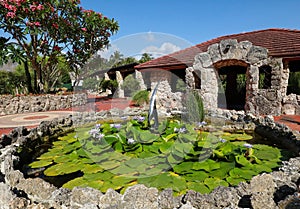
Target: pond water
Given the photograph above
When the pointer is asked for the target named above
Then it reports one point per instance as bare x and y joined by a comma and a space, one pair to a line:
176, 155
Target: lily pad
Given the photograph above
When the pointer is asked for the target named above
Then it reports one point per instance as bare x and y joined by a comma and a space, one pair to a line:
183, 167
212, 183
242, 160
207, 165
198, 176
265, 152
223, 171
234, 181
198, 187
80, 181
89, 169
240, 137
41, 163
242, 173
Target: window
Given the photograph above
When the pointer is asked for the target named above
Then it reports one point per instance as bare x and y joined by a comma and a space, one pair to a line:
265, 77
294, 78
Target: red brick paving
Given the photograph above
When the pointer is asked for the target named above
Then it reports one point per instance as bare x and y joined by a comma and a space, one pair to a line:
8, 130
35, 117
292, 121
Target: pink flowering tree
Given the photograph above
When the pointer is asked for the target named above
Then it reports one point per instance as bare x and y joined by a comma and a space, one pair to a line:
48, 29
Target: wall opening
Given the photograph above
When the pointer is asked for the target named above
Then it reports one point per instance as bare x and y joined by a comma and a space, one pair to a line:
233, 87
294, 78
197, 80
265, 77
178, 80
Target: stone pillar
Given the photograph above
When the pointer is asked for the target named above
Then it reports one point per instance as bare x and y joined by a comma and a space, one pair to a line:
106, 78
189, 78
119, 91
209, 87
139, 78
252, 76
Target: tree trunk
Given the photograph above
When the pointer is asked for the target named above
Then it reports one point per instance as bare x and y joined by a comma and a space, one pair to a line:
28, 77
35, 82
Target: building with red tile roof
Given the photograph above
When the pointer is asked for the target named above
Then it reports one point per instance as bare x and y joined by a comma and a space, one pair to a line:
279, 42
258, 70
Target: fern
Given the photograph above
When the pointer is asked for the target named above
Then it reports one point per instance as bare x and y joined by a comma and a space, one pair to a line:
141, 97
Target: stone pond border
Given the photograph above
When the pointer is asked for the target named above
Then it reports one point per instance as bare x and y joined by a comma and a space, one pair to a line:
275, 190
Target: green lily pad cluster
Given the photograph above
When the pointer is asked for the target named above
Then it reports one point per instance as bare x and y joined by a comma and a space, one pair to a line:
178, 156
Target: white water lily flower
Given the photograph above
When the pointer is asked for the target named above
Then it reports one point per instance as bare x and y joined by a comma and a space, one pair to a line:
248, 145
100, 136
222, 140
141, 119
130, 141
201, 124
93, 132
117, 125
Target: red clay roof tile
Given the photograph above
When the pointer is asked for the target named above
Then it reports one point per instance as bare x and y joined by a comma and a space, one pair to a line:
279, 42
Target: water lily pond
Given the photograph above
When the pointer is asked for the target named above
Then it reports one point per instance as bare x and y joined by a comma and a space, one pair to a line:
176, 155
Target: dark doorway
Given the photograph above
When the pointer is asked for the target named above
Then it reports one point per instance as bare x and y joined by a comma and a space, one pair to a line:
232, 92
294, 78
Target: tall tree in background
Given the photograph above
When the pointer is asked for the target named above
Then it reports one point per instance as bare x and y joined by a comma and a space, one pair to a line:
47, 30
10, 51
145, 58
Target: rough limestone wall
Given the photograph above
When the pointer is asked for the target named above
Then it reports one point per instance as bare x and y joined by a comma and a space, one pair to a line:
291, 104
258, 101
268, 101
166, 99
21, 104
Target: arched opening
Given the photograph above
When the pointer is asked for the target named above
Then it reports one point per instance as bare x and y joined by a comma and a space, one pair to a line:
232, 88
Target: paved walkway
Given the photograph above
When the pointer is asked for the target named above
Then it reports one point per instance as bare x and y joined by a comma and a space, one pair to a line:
30, 119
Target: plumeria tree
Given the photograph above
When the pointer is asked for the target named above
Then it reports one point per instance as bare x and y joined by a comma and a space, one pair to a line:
11, 51
46, 30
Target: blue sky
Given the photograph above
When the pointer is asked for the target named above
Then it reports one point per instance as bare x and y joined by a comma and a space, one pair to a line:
163, 26
198, 20
195, 21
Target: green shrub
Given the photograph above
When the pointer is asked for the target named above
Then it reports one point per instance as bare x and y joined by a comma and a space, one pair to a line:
180, 85
141, 97
130, 85
109, 85
194, 107
90, 84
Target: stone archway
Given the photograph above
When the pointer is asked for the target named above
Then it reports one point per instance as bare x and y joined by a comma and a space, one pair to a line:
229, 53
232, 84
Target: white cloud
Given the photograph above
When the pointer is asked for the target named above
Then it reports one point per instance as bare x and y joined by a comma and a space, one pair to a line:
165, 48
105, 53
150, 37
